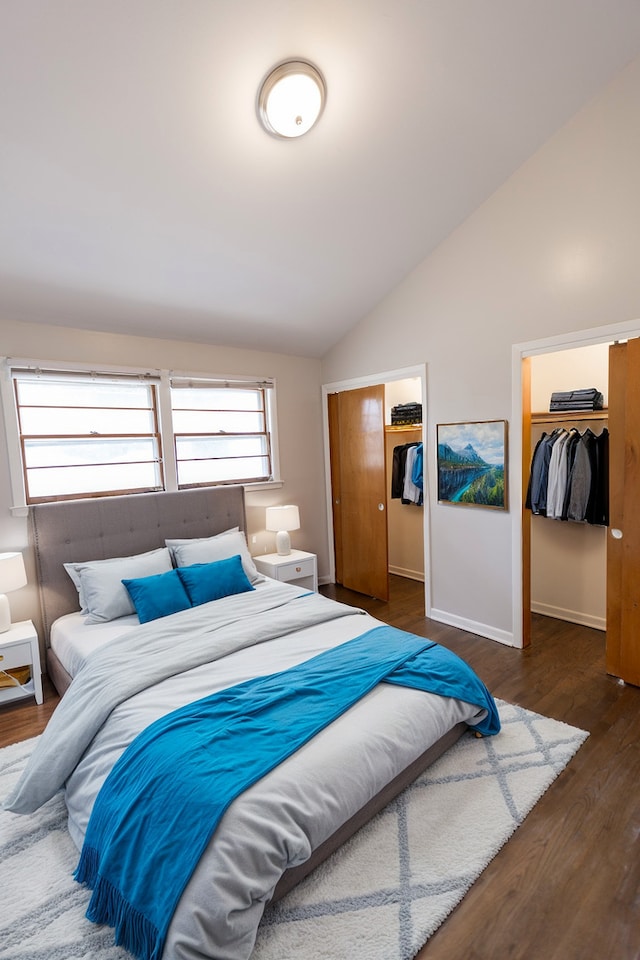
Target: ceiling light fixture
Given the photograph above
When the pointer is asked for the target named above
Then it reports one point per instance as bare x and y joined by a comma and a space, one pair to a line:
291, 99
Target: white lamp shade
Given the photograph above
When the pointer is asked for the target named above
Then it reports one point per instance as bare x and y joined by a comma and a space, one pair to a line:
282, 519
12, 577
12, 572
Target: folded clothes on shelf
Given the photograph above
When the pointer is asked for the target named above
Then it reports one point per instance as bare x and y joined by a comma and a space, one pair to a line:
406, 413
588, 398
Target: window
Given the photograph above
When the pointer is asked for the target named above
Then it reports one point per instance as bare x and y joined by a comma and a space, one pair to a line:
84, 434
220, 433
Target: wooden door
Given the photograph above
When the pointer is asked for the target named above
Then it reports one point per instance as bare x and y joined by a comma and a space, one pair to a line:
623, 540
526, 514
359, 486
336, 487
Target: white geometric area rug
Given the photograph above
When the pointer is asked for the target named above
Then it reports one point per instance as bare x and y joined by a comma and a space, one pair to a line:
380, 897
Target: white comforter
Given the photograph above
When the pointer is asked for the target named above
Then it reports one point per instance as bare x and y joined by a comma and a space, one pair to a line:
279, 821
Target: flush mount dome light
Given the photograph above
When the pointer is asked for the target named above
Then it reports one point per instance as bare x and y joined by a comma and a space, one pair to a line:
291, 99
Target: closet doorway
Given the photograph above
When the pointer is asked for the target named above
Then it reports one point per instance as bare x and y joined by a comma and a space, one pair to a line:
367, 540
581, 572
567, 560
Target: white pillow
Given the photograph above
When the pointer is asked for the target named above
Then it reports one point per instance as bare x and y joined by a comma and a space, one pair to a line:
208, 549
172, 544
102, 594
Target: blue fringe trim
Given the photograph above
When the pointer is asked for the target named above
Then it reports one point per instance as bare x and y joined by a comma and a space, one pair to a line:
133, 931
87, 870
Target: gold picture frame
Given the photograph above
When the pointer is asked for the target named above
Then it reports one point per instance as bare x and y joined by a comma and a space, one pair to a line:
472, 463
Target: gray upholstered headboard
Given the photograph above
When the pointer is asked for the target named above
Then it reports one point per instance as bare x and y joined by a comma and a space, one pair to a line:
96, 529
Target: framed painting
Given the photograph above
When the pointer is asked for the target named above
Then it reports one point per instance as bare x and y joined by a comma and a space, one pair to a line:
472, 459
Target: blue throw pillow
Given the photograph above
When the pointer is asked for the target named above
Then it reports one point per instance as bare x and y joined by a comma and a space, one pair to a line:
157, 596
212, 581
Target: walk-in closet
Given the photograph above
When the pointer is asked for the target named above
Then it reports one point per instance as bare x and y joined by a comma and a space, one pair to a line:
568, 556
405, 514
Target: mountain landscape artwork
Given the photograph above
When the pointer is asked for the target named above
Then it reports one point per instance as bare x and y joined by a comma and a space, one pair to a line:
472, 462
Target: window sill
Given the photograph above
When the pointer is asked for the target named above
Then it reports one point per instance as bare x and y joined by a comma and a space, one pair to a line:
264, 485
22, 510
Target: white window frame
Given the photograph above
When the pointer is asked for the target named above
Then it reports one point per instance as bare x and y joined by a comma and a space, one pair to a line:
149, 387
264, 386
162, 378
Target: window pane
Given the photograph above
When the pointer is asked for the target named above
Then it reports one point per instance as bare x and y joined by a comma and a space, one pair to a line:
211, 421
210, 447
220, 471
216, 398
61, 481
58, 453
80, 393
220, 434
55, 421
83, 436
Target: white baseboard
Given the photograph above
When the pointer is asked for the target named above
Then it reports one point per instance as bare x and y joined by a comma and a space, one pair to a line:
571, 616
481, 629
409, 574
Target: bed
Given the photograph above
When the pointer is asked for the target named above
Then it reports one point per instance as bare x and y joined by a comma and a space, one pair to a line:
283, 825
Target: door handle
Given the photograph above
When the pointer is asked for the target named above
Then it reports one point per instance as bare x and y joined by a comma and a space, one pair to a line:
616, 534
381, 506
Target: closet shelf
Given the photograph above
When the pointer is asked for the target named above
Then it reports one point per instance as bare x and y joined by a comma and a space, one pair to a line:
401, 427
569, 415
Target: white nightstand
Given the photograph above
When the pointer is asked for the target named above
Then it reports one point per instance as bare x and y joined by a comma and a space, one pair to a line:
19, 648
296, 567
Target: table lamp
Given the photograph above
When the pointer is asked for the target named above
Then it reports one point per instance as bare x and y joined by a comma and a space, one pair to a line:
12, 576
282, 519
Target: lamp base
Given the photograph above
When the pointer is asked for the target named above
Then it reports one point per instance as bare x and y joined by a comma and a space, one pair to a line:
283, 543
5, 613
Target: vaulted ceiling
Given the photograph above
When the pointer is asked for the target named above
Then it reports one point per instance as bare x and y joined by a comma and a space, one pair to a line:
139, 193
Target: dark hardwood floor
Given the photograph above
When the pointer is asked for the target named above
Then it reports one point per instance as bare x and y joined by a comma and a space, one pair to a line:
567, 885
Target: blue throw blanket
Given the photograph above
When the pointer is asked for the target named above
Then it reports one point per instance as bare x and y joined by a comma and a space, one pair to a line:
163, 799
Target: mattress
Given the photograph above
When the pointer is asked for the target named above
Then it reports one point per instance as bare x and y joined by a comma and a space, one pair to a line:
72, 639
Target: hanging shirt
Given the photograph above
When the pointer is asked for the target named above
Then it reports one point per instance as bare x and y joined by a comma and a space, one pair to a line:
581, 475
540, 473
398, 470
411, 493
557, 482
416, 472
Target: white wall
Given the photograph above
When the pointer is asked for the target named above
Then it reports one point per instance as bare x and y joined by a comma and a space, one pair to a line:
299, 419
569, 370
554, 250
